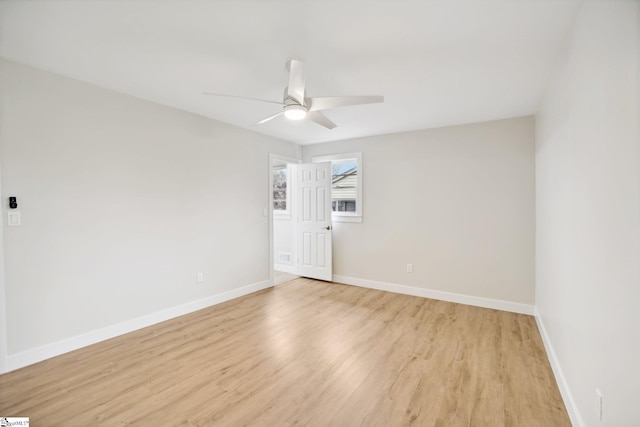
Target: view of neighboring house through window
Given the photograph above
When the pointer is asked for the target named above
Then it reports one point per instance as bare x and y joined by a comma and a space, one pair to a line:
280, 187
346, 185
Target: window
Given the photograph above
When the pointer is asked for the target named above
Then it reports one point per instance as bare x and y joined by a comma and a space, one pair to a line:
343, 205
280, 187
346, 186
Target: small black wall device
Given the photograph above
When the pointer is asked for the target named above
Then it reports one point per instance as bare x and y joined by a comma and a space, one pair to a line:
13, 203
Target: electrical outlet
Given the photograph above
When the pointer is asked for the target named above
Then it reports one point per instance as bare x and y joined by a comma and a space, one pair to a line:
599, 402
409, 268
200, 278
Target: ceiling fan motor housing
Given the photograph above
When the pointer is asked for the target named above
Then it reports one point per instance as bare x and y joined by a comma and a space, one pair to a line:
289, 100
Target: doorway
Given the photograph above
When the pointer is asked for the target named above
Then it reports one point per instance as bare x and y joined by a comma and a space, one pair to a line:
282, 202
300, 219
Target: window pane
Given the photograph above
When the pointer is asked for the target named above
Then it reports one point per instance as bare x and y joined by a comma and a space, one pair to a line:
344, 185
280, 178
350, 205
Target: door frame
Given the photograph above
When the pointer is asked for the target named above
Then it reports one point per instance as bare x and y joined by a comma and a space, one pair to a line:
288, 159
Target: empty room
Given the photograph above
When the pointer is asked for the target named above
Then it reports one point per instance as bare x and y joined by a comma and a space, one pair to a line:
322, 213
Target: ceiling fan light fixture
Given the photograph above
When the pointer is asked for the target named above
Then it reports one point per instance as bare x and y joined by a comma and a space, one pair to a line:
295, 112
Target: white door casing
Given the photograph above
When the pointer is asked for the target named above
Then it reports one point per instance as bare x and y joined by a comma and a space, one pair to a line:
314, 220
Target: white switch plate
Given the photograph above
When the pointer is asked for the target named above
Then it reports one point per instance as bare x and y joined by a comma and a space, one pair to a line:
13, 219
200, 278
265, 212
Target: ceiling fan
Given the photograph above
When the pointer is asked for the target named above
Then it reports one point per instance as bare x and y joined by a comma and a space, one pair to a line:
296, 106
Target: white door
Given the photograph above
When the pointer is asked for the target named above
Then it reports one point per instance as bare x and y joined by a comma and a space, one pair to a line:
314, 220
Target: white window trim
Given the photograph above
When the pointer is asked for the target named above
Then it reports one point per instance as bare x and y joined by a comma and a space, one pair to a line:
346, 216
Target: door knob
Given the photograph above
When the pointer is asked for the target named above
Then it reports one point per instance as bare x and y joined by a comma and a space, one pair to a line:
328, 227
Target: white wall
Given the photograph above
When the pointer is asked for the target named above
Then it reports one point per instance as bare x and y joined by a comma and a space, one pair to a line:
456, 202
588, 215
123, 201
284, 242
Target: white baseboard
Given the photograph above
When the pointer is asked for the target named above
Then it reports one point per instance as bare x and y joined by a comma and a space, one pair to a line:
48, 351
569, 402
285, 268
284, 277
514, 307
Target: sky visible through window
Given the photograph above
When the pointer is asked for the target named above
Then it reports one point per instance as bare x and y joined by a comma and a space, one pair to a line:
338, 168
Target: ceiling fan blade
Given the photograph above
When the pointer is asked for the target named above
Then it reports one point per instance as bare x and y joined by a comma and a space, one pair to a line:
296, 81
328, 102
241, 97
265, 120
320, 119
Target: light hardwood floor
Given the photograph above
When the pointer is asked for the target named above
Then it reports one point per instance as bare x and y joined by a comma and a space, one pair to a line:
303, 353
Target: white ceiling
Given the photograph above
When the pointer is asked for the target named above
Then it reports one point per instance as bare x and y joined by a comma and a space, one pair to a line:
436, 62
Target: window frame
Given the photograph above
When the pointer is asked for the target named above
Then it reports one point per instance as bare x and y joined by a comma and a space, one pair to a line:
346, 216
278, 213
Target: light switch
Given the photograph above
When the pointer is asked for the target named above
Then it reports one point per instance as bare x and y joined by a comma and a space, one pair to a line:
13, 219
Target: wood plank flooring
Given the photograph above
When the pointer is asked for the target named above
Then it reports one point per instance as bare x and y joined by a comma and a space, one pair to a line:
303, 353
